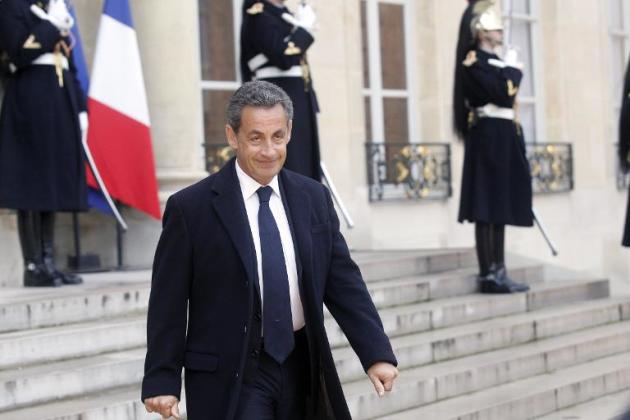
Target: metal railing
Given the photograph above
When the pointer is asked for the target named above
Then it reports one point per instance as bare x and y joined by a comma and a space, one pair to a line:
551, 166
217, 155
409, 171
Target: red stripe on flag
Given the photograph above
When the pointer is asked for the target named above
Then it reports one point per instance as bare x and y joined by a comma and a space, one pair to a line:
123, 154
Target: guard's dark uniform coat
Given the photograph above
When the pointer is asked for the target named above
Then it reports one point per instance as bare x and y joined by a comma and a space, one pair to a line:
41, 159
204, 309
624, 146
496, 180
265, 32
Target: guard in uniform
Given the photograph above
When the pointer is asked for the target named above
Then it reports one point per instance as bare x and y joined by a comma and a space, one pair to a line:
624, 146
41, 159
496, 182
273, 48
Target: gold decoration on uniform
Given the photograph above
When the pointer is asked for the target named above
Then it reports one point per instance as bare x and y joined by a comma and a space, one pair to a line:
512, 90
471, 58
256, 9
292, 49
31, 44
306, 74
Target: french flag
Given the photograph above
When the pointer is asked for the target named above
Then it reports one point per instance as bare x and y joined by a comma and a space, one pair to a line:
119, 135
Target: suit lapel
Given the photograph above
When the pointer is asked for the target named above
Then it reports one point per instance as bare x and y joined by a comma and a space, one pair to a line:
230, 207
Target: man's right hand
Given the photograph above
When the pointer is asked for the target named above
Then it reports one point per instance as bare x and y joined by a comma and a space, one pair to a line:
166, 405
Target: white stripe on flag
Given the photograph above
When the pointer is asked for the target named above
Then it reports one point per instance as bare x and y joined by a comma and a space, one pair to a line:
117, 79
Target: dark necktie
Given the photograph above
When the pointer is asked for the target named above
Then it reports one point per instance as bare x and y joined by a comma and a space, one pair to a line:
277, 321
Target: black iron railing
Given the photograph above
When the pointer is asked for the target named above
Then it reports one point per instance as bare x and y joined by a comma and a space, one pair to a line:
552, 167
409, 171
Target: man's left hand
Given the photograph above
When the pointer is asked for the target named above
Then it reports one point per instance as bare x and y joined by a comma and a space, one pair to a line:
382, 375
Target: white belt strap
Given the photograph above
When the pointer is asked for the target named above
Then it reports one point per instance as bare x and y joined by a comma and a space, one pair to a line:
271, 72
493, 111
258, 61
48, 59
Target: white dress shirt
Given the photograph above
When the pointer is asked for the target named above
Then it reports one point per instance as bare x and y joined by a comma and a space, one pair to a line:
249, 187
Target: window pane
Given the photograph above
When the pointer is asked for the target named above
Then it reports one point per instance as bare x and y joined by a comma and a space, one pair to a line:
521, 38
368, 119
216, 32
396, 124
615, 14
364, 45
392, 29
214, 104
527, 117
520, 6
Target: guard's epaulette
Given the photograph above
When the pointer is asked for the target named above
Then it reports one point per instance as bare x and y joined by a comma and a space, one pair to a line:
256, 8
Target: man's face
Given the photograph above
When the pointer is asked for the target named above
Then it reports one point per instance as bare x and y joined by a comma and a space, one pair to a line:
494, 38
261, 141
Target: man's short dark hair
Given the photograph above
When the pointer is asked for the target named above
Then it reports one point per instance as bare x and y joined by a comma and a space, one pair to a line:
258, 94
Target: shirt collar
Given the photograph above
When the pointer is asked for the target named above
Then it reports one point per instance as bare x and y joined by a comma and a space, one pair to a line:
249, 185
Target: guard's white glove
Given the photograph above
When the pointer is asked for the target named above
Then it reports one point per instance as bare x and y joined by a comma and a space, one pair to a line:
83, 122
305, 17
511, 58
56, 13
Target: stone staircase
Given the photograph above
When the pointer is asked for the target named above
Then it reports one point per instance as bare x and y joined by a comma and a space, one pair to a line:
560, 351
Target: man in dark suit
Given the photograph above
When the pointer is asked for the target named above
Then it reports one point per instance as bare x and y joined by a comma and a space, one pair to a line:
246, 261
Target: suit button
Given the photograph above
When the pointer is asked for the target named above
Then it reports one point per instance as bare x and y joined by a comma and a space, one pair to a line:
245, 330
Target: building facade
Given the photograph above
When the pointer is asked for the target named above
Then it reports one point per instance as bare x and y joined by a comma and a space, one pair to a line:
383, 72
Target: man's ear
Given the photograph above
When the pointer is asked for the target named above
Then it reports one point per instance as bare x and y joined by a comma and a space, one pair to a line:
231, 136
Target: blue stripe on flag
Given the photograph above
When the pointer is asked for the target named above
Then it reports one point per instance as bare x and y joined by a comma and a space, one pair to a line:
119, 10
96, 199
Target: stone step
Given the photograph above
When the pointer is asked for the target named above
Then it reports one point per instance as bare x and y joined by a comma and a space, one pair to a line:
610, 407
43, 383
407, 290
450, 343
381, 265
414, 387
460, 310
532, 397
69, 305
436, 382
120, 293
42, 345
30, 346
118, 404
39, 383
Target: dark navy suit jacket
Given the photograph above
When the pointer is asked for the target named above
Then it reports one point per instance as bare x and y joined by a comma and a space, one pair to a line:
204, 309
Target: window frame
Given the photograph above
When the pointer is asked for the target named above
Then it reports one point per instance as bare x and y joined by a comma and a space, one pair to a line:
376, 93
537, 100
224, 85
622, 34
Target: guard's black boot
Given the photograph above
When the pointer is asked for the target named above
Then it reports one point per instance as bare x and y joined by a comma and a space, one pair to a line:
488, 281
35, 273
501, 274
498, 265
48, 239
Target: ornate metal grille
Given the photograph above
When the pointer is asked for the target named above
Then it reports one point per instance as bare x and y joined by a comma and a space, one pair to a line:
413, 171
552, 167
217, 155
